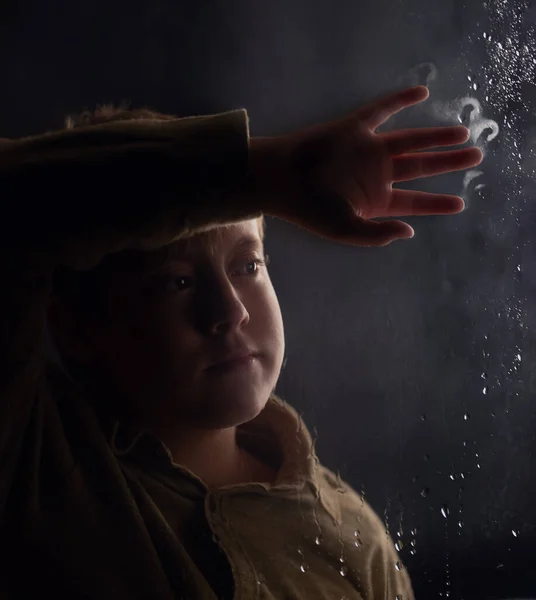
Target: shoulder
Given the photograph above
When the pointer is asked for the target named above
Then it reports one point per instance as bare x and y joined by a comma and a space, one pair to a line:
349, 506
370, 549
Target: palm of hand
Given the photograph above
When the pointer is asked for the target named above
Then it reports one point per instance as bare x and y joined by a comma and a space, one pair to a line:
347, 171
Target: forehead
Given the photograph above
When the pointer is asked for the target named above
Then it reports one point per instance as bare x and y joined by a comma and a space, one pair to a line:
217, 241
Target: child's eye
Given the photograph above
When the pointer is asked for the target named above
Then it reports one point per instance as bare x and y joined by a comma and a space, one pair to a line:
179, 283
252, 266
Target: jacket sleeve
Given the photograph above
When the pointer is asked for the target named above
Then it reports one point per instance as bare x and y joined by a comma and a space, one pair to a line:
71, 197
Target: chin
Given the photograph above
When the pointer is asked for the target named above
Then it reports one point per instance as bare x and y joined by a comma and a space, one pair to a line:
231, 409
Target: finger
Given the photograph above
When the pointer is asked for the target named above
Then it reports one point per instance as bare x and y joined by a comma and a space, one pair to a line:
407, 203
367, 233
414, 166
347, 228
412, 140
380, 111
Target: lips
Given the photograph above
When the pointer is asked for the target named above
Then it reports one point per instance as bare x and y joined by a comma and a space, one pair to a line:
232, 358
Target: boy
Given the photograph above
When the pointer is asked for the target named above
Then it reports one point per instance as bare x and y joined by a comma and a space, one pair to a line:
161, 464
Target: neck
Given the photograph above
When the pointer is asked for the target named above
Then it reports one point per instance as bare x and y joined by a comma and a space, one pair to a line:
213, 455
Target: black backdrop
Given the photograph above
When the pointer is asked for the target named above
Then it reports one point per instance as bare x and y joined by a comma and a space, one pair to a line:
412, 363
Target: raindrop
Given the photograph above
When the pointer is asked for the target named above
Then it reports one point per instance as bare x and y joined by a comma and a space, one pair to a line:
493, 415
485, 390
399, 545
304, 567
398, 565
343, 570
423, 417
518, 357
465, 444
318, 540
500, 46
469, 78
515, 533
466, 417
445, 511
398, 597
462, 475
453, 476
518, 268
460, 524
484, 35
425, 491
475, 86
484, 375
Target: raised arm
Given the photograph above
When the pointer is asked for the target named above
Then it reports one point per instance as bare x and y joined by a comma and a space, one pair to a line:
71, 197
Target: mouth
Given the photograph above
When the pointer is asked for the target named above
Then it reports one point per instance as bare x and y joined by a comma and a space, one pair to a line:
236, 362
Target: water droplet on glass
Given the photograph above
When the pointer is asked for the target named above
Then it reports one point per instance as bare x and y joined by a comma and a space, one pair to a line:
304, 568
500, 566
515, 533
398, 565
485, 390
462, 475
399, 545
399, 597
500, 46
466, 417
453, 476
469, 77
343, 570
445, 511
475, 86
484, 35
465, 444
425, 491
423, 417
318, 540
518, 357
460, 524
484, 375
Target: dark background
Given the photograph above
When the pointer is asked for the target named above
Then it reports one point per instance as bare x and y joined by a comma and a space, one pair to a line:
389, 350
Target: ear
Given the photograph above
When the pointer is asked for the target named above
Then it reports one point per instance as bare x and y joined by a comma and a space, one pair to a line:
70, 331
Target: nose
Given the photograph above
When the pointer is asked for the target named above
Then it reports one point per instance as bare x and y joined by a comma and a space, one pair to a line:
223, 308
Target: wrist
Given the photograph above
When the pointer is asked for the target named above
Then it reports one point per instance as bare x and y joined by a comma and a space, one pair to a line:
270, 173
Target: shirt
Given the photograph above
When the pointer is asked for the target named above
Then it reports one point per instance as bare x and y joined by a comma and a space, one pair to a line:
90, 508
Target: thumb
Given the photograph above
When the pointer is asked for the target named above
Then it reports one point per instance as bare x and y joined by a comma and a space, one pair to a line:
333, 218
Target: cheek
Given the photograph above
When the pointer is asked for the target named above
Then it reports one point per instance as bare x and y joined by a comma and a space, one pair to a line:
144, 341
267, 324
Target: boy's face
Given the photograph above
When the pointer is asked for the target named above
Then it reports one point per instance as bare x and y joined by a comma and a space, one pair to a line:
167, 327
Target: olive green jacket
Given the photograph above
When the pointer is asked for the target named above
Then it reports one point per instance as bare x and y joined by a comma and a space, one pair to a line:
90, 509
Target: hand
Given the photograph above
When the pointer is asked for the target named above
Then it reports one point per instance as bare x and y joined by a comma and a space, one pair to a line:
342, 172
